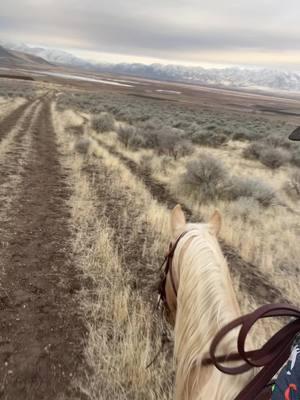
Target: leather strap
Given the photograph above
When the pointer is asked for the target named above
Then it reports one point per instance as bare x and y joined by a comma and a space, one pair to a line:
168, 268
270, 357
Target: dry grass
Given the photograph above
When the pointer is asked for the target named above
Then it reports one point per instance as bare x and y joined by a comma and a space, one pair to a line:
158, 218
9, 105
266, 237
9, 140
122, 337
123, 332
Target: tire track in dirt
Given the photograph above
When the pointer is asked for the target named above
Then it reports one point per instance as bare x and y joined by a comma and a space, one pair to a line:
11, 119
132, 244
133, 240
14, 151
40, 327
251, 280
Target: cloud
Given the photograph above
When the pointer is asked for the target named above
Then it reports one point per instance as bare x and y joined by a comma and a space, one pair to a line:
169, 29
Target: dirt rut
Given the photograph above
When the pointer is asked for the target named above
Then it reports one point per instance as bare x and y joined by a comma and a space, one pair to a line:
251, 279
40, 326
11, 119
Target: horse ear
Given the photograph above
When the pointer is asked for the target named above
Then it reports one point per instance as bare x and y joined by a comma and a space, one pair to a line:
215, 223
178, 221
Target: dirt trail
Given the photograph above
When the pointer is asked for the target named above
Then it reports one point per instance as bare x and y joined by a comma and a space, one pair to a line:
133, 238
40, 327
251, 279
11, 119
130, 242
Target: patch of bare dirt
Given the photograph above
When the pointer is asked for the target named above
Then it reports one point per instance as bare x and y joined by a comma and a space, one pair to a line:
41, 331
252, 280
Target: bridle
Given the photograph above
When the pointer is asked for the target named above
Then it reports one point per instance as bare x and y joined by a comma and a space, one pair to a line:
270, 357
168, 270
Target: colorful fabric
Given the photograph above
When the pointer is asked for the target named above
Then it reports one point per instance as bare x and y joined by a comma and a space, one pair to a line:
287, 385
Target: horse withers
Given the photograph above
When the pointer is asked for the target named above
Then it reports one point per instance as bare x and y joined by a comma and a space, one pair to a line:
200, 297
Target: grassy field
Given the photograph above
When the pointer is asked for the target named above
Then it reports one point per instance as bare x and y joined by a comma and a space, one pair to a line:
125, 163
251, 175
132, 145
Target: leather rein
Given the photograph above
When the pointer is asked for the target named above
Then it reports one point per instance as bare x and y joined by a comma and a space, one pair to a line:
270, 357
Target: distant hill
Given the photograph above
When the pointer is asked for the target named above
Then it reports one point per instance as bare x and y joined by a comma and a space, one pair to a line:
12, 58
53, 56
28, 58
256, 79
7, 57
230, 77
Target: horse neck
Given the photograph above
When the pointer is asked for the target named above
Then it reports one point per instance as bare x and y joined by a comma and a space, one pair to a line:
205, 303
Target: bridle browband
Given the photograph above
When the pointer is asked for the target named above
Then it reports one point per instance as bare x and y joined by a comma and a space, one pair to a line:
269, 357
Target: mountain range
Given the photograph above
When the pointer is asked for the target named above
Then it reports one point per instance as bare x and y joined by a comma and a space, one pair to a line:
233, 77
13, 58
53, 56
229, 77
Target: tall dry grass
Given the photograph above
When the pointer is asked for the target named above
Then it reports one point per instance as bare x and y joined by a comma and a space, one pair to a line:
267, 237
8, 105
123, 331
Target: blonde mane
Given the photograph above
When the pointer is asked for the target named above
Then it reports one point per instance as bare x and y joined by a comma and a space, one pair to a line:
205, 303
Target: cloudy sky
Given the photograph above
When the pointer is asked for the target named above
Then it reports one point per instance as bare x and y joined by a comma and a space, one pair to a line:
259, 32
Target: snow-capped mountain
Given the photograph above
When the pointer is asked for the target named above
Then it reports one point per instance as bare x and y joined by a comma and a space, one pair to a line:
229, 77
232, 77
15, 58
54, 56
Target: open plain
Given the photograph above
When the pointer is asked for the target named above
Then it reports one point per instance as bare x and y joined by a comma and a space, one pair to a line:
90, 167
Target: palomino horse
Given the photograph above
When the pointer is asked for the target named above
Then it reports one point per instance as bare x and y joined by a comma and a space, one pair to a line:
201, 300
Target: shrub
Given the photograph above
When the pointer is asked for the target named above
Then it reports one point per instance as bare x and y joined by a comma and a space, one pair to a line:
152, 124
292, 187
164, 140
206, 176
83, 145
182, 148
210, 139
165, 162
237, 187
278, 141
149, 130
186, 125
273, 158
243, 136
295, 157
253, 151
211, 127
137, 141
104, 122
245, 208
125, 133
146, 164
167, 140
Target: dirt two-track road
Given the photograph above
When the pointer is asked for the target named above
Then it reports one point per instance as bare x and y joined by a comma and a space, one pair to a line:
40, 328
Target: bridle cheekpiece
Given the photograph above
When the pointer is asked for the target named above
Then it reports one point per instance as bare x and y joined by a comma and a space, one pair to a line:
168, 270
